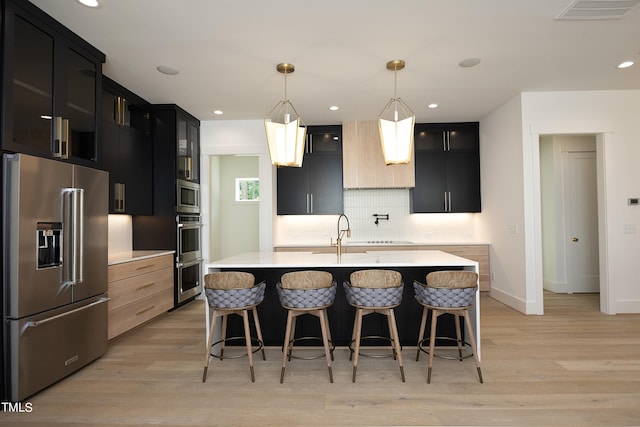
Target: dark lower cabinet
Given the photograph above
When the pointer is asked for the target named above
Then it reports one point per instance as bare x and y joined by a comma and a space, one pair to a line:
447, 168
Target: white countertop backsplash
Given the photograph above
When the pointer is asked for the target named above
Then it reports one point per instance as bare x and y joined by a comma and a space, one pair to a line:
120, 235
359, 206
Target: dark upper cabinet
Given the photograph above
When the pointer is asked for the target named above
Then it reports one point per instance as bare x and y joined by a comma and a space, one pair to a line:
50, 87
178, 133
316, 187
126, 150
447, 168
188, 148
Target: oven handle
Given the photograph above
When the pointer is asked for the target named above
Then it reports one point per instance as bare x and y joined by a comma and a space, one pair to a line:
189, 224
187, 264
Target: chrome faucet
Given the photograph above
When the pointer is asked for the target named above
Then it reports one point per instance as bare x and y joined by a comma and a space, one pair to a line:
341, 234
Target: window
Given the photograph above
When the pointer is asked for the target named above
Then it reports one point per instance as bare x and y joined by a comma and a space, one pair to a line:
247, 189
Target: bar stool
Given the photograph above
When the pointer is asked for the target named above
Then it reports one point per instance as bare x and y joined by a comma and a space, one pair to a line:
233, 292
306, 292
375, 291
447, 292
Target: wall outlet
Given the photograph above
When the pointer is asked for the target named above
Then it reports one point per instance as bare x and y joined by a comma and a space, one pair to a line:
513, 229
428, 236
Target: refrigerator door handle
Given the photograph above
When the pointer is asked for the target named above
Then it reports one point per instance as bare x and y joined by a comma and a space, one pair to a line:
78, 231
73, 214
36, 323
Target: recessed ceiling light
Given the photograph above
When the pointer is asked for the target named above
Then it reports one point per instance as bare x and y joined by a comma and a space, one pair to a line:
626, 64
166, 69
334, 108
218, 112
469, 62
90, 3
432, 105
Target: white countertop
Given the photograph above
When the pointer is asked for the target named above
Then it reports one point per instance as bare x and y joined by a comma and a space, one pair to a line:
121, 257
376, 259
381, 243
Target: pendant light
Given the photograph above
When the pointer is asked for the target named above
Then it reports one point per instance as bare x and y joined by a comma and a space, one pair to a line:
396, 122
285, 129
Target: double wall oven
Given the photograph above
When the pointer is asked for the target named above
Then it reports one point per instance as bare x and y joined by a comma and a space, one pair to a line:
188, 256
188, 240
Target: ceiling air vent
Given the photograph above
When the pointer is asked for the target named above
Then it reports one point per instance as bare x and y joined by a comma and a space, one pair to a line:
598, 9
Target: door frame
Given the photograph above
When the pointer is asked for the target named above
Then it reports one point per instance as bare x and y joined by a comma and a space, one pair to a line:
603, 138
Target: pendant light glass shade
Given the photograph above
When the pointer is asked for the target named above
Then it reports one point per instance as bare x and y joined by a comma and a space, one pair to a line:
396, 123
286, 132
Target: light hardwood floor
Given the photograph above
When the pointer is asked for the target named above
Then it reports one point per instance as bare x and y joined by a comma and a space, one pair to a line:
572, 367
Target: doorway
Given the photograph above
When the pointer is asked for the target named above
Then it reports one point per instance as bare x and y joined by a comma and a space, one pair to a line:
234, 220
569, 208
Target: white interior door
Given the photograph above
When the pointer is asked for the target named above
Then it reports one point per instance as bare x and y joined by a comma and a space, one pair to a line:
581, 221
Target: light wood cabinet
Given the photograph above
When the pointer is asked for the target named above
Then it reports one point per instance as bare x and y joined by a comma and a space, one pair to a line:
139, 291
363, 163
478, 253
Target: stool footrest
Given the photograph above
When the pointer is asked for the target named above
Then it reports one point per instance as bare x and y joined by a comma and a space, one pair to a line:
332, 347
424, 347
259, 345
374, 356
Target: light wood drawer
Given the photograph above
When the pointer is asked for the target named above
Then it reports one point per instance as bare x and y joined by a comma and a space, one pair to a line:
135, 268
122, 292
136, 313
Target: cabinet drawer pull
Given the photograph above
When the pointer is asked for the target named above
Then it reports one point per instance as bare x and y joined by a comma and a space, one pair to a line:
143, 267
139, 288
145, 310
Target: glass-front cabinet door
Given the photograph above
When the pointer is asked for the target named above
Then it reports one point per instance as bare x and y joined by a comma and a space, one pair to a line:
80, 108
50, 83
31, 108
188, 150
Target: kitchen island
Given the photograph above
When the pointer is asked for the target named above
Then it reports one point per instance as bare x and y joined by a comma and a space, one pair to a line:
413, 265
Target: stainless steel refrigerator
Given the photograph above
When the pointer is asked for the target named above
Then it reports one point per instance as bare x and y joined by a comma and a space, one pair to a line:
54, 270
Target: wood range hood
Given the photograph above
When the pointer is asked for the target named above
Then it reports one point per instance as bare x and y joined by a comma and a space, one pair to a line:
363, 163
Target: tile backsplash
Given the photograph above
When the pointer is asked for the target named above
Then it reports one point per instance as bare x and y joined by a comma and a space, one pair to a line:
360, 207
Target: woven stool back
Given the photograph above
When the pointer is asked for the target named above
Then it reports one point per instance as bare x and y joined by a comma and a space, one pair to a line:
308, 279
376, 279
452, 279
225, 280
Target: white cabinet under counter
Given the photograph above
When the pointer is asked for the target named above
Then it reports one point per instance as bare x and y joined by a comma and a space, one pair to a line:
140, 288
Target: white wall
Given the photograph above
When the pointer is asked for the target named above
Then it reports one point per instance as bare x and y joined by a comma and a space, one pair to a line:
507, 159
502, 219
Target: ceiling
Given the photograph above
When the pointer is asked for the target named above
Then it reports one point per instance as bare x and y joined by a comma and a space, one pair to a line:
227, 51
